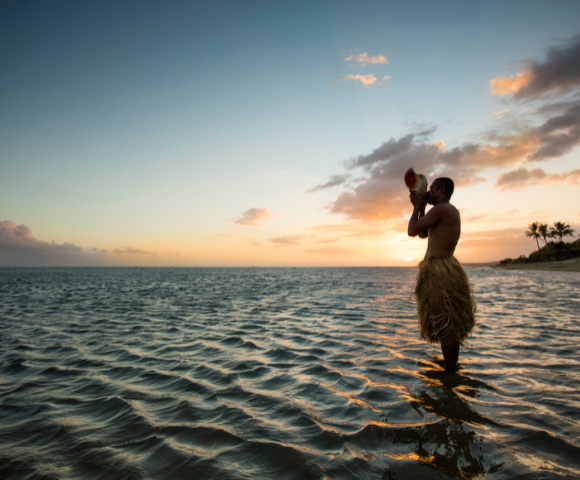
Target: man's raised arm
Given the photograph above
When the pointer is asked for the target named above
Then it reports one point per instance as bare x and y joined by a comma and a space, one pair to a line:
420, 223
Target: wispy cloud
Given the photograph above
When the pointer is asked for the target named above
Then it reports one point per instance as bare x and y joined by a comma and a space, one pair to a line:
287, 240
253, 243
523, 177
130, 251
502, 112
254, 217
334, 181
364, 59
364, 80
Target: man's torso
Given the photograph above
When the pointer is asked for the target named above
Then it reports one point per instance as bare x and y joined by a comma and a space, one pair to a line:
444, 235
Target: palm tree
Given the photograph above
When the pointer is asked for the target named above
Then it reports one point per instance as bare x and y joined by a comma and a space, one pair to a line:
561, 230
533, 232
543, 231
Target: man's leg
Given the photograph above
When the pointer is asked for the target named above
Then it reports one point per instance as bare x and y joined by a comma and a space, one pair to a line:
450, 349
449, 344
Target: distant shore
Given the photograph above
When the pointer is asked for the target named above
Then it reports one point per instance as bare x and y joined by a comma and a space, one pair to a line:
564, 266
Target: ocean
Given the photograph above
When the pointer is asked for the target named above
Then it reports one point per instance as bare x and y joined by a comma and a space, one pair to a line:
282, 373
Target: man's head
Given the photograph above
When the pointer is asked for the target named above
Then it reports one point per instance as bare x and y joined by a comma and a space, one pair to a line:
440, 191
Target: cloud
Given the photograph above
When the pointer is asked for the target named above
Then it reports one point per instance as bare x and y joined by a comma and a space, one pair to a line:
365, 80
502, 112
18, 247
334, 251
558, 72
254, 216
287, 240
509, 85
130, 251
253, 242
364, 59
381, 194
333, 182
522, 177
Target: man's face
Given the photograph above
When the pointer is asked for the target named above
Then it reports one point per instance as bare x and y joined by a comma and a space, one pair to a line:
432, 193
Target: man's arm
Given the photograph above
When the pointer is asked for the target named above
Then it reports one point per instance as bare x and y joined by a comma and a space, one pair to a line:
419, 225
422, 214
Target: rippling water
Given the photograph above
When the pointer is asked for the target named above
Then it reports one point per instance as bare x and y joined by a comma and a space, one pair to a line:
282, 374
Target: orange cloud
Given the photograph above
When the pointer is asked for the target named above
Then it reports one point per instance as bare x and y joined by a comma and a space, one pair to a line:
254, 216
509, 85
364, 59
558, 72
287, 240
365, 80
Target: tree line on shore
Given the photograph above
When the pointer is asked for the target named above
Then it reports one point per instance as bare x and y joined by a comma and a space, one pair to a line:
552, 250
538, 230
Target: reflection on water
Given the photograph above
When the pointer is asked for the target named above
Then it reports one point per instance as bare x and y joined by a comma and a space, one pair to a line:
282, 373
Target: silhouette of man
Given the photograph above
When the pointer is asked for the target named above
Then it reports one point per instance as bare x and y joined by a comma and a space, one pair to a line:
445, 304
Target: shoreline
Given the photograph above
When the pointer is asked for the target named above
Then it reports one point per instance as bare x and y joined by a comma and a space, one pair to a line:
561, 266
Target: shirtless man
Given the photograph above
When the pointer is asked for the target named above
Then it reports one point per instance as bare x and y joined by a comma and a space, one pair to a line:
444, 299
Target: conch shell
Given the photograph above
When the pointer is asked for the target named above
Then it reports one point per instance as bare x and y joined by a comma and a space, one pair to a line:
416, 182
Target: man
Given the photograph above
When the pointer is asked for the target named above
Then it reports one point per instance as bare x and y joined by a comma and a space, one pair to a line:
445, 304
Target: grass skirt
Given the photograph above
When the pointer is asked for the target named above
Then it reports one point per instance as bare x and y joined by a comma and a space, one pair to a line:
444, 300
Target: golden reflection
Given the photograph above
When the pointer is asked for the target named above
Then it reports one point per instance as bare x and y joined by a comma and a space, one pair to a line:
451, 442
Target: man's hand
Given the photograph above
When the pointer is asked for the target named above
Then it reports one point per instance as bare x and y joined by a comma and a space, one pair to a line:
418, 201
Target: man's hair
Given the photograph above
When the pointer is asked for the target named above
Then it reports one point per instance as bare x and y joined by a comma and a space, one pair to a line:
446, 184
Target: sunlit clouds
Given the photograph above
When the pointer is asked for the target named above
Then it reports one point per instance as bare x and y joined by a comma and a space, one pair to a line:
510, 85
380, 195
287, 240
364, 59
558, 72
364, 80
254, 217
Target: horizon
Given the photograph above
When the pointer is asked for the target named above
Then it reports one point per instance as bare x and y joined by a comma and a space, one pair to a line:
228, 135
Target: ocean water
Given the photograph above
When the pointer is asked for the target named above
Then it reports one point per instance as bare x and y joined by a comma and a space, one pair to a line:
280, 374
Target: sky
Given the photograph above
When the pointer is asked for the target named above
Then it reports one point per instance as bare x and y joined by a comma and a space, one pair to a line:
264, 133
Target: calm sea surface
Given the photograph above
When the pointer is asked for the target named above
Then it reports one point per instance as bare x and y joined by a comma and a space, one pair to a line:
282, 374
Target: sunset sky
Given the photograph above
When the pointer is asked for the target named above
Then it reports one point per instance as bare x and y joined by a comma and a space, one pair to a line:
277, 133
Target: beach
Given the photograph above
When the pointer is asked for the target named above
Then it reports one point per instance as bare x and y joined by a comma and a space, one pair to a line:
564, 266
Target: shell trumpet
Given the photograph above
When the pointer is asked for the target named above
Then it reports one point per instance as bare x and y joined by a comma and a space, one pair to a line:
416, 182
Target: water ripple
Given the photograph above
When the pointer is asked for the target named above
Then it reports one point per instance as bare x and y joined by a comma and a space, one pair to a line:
282, 374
